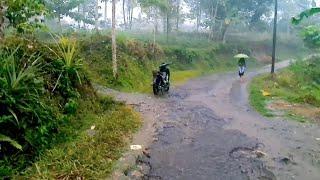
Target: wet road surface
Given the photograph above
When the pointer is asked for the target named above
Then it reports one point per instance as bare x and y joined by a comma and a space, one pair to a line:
206, 129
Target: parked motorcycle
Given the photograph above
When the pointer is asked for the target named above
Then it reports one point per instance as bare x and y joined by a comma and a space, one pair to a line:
161, 80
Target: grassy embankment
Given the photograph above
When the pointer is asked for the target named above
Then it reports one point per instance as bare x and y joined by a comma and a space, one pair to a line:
95, 139
295, 91
191, 55
55, 125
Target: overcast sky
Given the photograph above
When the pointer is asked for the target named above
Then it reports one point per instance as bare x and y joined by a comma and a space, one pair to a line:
136, 11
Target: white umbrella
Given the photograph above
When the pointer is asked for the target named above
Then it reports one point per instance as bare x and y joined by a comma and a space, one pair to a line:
238, 56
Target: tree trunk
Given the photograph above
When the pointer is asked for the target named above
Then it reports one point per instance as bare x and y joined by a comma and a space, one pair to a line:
79, 22
198, 18
84, 15
59, 22
2, 17
131, 15
154, 44
274, 36
156, 21
124, 14
164, 21
178, 15
224, 33
114, 45
105, 11
168, 26
155, 31
215, 16
96, 15
211, 26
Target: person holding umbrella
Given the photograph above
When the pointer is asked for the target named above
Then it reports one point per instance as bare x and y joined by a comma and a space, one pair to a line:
242, 64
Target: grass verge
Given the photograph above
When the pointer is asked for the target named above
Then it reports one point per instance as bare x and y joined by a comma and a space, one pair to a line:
291, 93
97, 136
256, 98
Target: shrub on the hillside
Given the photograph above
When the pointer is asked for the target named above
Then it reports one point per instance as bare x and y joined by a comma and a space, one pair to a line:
182, 55
136, 49
24, 117
311, 36
67, 67
38, 83
305, 80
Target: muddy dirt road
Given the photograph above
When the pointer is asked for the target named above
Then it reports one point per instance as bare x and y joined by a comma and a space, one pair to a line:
206, 129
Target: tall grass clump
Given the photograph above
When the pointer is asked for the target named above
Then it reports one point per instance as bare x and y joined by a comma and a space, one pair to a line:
47, 104
306, 81
26, 121
66, 65
40, 86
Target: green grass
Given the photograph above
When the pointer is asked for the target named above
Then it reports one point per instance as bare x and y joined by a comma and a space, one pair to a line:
281, 86
296, 84
181, 77
88, 153
257, 100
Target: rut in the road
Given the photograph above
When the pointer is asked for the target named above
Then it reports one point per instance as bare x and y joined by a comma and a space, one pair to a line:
192, 144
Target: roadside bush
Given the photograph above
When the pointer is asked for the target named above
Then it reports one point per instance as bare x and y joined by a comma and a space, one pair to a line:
67, 66
182, 55
40, 85
307, 75
24, 116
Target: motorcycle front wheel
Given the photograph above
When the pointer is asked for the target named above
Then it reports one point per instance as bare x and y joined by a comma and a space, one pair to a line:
155, 89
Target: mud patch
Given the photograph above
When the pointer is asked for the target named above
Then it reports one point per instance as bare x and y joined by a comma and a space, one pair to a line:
303, 111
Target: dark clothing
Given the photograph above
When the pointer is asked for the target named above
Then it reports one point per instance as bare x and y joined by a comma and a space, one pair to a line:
242, 66
242, 62
241, 73
164, 69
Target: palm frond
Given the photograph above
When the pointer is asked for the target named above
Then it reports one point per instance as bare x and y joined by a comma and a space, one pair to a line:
14, 143
305, 14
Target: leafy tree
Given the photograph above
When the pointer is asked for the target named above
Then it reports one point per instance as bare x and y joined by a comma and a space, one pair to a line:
105, 11
311, 34
195, 11
288, 9
127, 10
305, 14
87, 14
226, 12
23, 15
154, 8
60, 8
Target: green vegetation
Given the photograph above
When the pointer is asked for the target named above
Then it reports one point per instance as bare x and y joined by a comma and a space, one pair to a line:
256, 98
190, 57
298, 83
96, 138
47, 103
53, 124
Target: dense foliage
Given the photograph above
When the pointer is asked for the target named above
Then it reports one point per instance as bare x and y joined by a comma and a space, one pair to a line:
305, 80
19, 12
24, 117
297, 85
39, 88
